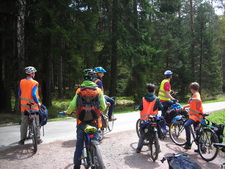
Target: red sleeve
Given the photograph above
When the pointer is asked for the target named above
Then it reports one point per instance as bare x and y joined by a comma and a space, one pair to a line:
167, 86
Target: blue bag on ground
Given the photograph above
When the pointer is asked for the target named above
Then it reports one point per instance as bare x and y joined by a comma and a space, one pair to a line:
181, 161
43, 115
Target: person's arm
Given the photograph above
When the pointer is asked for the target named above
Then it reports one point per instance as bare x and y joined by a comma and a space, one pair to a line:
160, 106
72, 106
102, 101
167, 89
34, 94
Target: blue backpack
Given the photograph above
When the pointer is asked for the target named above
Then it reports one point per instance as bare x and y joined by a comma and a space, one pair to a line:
43, 115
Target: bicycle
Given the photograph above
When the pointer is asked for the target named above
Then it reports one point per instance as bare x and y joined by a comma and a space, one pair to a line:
204, 136
151, 136
91, 155
32, 125
107, 125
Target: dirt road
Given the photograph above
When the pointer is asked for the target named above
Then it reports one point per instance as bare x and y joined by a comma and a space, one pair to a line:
118, 151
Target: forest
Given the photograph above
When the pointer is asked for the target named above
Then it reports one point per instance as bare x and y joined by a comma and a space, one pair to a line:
134, 40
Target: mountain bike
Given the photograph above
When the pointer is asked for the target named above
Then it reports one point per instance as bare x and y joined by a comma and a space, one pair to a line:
203, 135
151, 136
107, 125
91, 155
32, 125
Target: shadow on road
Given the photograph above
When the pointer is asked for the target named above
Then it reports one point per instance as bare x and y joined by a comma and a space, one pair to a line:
17, 152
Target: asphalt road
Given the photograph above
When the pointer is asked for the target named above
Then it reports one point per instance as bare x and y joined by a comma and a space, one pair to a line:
65, 130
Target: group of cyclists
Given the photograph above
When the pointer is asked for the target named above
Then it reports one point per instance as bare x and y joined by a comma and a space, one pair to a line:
90, 100
150, 105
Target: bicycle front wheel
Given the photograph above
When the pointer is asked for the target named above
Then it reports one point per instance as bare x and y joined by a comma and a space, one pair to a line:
96, 160
206, 149
154, 146
33, 128
138, 127
177, 133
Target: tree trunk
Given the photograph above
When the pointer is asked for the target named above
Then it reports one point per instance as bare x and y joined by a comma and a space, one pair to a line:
192, 40
113, 80
20, 44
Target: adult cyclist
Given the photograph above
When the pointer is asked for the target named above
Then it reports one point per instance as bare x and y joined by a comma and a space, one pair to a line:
98, 80
164, 93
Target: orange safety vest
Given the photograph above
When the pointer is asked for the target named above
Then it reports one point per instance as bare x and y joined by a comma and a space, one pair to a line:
195, 114
26, 87
162, 93
99, 121
148, 109
97, 80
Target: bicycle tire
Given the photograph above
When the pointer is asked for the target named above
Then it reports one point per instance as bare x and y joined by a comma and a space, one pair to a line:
177, 133
34, 135
154, 146
96, 159
85, 157
207, 150
138, 127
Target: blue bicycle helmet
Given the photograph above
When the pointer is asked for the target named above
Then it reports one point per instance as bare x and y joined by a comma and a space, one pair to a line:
99, 70
168, 72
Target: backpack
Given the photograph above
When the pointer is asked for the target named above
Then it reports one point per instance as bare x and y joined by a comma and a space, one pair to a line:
43, 115
87, 104
181, 161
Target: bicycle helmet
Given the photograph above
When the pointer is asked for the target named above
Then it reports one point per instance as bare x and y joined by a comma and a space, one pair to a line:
99, 70
89, 74
30, 69
168, 72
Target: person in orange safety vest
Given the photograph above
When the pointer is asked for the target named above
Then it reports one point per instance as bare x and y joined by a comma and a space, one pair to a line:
195, 112
28, 93
149, 105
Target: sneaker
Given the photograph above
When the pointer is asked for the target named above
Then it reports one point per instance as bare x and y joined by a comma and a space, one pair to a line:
39, 141
21, 142
112, 119
138, 150
187, 146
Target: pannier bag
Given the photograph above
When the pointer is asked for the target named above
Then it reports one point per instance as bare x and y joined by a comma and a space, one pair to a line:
219, 132
181, 161
43, 115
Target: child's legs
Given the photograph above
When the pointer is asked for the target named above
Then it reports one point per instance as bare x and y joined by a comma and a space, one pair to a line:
187, 125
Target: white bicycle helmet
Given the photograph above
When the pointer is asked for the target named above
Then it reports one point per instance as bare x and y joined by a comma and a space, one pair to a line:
30, 69
168, 72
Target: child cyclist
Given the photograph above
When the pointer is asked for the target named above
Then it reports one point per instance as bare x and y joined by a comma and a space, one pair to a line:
149, 105
195, 112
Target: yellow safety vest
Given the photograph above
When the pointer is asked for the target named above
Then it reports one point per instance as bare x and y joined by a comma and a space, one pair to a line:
162, 94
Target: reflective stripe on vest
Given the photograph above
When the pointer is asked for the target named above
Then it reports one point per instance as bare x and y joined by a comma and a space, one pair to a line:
26, 87
147, 109
162, 93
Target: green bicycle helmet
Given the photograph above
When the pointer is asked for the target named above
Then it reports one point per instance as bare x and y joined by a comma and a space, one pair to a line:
99, 70
89, 74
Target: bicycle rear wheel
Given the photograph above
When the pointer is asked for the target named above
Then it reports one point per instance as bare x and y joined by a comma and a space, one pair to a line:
33, 128
154, 146
96, 160
138, 127
207, 151
177, 133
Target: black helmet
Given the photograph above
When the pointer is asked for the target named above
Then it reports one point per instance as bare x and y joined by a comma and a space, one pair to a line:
89, 74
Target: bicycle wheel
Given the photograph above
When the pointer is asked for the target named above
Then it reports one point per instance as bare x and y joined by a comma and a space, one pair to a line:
84, 157
207, 151
33, 128
138, 127
177, 133
96, 160
154, 146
